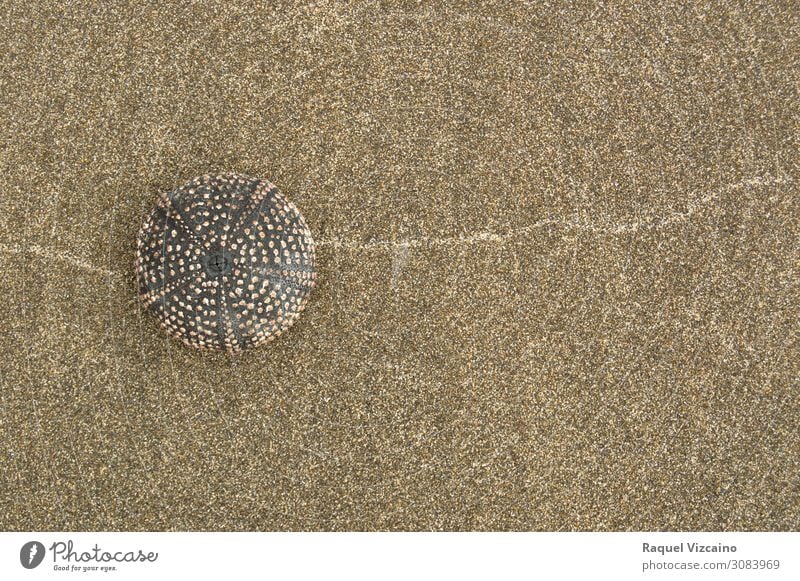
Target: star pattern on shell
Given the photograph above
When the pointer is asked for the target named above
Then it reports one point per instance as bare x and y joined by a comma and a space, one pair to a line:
225, 262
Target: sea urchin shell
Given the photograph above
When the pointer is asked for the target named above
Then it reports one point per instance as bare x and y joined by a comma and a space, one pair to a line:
225, 262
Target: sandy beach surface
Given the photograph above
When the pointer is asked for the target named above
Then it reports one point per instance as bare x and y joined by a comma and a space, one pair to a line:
557, 255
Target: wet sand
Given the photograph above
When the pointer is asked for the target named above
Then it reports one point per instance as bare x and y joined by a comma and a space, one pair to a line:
557, 252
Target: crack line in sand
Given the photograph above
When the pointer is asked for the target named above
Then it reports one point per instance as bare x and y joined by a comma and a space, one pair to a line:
600, 227
54, 255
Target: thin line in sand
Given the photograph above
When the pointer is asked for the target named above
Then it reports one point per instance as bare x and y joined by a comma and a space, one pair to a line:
600, 227
53, 255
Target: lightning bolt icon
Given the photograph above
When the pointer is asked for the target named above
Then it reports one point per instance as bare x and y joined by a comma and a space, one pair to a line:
34, 550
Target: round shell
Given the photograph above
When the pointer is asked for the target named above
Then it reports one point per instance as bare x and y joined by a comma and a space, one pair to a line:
225, 262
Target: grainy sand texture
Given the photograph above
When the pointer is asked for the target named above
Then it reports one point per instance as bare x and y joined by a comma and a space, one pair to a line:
557, 266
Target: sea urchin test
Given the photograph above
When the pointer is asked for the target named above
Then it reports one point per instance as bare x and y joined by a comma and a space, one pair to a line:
225, 262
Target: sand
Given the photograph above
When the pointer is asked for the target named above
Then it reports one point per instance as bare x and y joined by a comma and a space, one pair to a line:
557, 255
